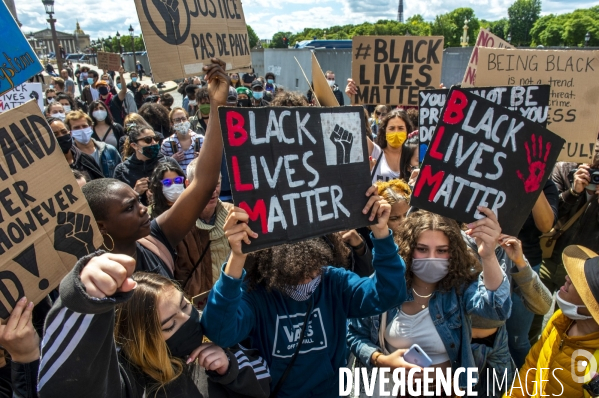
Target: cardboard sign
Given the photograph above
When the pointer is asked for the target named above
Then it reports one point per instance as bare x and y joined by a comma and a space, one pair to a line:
200, 300
574, 80
182, 36
22, 94
45, 221
298, 172
109, 61
532, 102
484, 39
392, 69
483, 154
323, 91
18, 61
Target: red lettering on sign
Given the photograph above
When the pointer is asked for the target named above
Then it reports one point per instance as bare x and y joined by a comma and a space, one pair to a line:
236, 133
426, 177
435, 145
239, 186
454, 113
258, 212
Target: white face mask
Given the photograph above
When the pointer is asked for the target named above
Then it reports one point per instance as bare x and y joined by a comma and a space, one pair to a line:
82, 136
60, 116
331, 83
183, 127
50, 100
67, 108
430, 270
173, 192
100, 114
571, 310
193, 102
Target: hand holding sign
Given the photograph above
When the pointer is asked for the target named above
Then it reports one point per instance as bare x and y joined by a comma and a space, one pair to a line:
218, 82
18, 336
485, 232
380, 208
74, 234
108, 274
536, 164
237, 230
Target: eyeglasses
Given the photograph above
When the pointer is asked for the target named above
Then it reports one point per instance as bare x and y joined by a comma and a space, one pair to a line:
148, 140
167, 182
180, 119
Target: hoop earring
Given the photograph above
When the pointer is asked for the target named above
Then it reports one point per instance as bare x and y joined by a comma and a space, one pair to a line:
104, 243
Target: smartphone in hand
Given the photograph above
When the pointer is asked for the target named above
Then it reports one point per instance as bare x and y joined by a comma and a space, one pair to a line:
417, 356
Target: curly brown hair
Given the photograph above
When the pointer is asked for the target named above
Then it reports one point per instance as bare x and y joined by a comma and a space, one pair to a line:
463, 266
289, 98
290, 264
381, 137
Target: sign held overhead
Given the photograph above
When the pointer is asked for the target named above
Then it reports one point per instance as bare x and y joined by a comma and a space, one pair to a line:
109, 61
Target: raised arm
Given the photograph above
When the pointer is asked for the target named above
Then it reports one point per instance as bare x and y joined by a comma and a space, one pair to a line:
123, 91
177, 222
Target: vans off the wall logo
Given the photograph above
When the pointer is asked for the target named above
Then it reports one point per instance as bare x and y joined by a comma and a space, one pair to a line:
170, 11
288, 331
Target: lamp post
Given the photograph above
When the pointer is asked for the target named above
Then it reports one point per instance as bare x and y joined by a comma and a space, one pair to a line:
49, 6
509, 37
587, 38
133, 47
118, 40
464, 42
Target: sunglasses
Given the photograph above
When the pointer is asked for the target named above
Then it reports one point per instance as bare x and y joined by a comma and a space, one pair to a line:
148, 140
167, 182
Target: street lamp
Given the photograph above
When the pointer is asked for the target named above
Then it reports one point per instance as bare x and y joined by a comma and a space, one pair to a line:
587, 37
118, 39
133, 47
49, 6
509, 37
464, 42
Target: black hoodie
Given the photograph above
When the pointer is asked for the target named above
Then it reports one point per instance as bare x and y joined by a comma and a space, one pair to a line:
132, 169
85, 164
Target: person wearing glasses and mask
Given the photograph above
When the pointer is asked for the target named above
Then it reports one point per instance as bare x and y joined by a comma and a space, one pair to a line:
185, 144
142, 154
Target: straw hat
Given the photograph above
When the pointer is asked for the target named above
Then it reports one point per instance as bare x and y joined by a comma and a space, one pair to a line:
582, 265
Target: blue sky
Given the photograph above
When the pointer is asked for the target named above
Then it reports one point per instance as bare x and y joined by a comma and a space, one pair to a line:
105, 17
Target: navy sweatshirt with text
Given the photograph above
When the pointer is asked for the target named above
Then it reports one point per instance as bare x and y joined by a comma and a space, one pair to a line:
273, 320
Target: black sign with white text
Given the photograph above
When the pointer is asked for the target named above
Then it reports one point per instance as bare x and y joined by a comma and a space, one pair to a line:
298, 172
483, 154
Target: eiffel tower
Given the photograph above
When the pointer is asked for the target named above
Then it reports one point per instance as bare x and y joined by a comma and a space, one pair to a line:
400, 12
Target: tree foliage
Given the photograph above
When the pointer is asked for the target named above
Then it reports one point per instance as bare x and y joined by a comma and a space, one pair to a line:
253, 37
522, 16
567, 29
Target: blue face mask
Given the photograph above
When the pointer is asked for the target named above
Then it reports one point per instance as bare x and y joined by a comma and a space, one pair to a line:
118, 85
90, 80
258, 95
271, 81
134, 79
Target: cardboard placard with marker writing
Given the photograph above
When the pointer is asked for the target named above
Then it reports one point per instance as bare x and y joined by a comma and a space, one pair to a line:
18, 60
392, 69
298, 172
532, 102
109, 61
182, 35
22, 94
574, 98
45, 221
484, 39
324, 93
483, 154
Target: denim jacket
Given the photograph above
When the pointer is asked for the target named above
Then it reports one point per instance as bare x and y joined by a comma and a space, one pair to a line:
451, 316
109, 158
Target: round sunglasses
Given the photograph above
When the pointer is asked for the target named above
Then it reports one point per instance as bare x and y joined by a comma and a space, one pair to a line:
167, 182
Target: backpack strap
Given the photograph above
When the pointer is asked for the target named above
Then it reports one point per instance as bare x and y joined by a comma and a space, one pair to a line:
174, 146
159, 249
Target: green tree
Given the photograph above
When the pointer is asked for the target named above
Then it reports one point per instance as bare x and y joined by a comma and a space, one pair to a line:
522, 16
500, 28
277, 40
444, 26
254, 39
451, 26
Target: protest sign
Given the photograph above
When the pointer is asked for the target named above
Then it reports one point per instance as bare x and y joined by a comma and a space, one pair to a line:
298, 172
109, 61
323, 91
182, 36
18, 60
532, 102
574, 80
45, 221
22, 94
392, 69
484, 39
483, 154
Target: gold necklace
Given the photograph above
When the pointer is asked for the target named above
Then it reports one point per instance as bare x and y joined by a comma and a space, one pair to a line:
424, 297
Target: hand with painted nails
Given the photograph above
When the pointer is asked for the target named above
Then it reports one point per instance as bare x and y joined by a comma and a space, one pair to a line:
485, 232
380, 209
18, 336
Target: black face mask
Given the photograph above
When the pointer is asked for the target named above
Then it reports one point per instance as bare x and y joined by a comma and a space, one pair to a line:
65, 142
103, 90
244, 103
188, 337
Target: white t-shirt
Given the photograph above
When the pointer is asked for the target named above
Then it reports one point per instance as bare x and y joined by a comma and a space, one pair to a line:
383, 172
95, 93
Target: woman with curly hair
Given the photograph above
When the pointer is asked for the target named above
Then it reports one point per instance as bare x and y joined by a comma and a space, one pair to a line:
445, 287
156, 115
292, 292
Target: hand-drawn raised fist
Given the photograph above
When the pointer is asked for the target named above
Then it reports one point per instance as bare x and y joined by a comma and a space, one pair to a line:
343, 141
74, 234
169, 11
536, 164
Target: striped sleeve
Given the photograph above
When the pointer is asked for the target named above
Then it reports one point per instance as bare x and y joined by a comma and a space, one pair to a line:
167, 149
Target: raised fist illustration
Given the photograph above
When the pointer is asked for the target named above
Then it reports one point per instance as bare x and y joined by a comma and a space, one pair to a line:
169, 11
343, 141
536, 164
74, 234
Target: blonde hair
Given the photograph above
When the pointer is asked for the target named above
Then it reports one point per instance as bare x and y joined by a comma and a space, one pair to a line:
394, 190
76, 115
138, 332
177, 109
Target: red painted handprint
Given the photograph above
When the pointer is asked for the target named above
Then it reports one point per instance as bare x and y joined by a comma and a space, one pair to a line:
536, 164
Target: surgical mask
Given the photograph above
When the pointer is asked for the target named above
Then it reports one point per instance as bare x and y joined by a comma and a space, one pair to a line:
65, 142
151, 151
193, 102
430, 270
118, 85
331, 83
187, 338
395, 140
244, 103
270, 81
60, 116
103, 90
100, 114
67, 108
90, 80
51, 86
134, 79
205, 109
183, 127
50, 100
258, 95
571, 310
173, 192
82, 136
